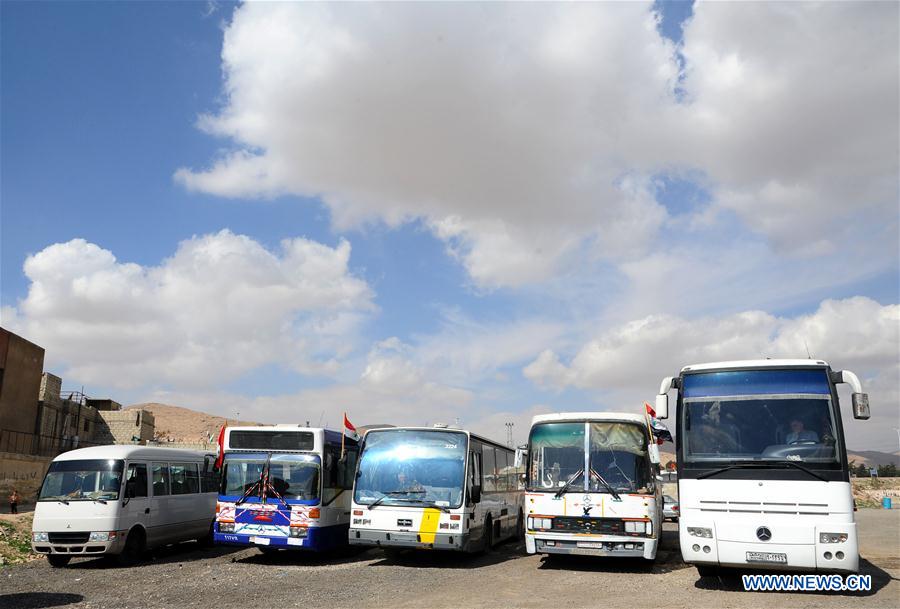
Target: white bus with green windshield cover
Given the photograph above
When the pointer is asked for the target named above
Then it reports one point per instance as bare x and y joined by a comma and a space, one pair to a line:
592, 485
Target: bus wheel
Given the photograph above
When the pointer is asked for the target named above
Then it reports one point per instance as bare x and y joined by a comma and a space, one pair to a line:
520, 527
207, 540
58, 560
135, 546
487, 535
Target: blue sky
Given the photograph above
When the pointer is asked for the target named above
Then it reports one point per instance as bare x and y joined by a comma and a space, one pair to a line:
504, 259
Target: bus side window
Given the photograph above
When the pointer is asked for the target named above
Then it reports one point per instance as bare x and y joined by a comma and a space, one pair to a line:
489, 465
136, 480
347, 469
160, 479
503, 470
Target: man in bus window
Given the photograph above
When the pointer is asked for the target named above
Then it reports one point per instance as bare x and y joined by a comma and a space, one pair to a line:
404, 483
800, 434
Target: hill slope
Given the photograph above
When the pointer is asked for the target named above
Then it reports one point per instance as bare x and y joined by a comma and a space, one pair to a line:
178, 424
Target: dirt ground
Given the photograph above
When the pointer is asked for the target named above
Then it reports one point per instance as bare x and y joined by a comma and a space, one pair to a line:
188, 576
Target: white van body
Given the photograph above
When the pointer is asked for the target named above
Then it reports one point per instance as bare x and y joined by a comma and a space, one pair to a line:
94, 499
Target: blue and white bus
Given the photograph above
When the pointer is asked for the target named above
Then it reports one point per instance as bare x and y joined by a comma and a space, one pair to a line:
285, 486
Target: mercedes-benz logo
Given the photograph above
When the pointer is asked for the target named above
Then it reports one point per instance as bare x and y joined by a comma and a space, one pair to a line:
764, 534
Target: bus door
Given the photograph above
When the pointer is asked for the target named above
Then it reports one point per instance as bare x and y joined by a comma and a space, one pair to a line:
136, 500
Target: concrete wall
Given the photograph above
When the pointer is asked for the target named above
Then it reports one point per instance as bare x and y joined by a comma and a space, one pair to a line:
22, 472
21, 365
123, 426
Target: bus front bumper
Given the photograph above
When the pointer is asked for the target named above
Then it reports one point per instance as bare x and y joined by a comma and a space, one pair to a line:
606, 545
86, 548
407, 539
812, 555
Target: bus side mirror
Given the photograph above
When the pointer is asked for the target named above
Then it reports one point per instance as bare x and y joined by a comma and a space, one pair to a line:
861, 406
476, 494
662, 406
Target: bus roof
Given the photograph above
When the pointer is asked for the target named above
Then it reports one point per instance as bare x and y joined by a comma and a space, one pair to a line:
442, 428
589, 416
130, 451
758, 363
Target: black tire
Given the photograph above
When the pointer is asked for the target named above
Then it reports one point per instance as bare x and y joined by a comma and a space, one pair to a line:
520, 527
393, 554
207, 540
487, 535
135, 547
707, 570
58, 560
268, 551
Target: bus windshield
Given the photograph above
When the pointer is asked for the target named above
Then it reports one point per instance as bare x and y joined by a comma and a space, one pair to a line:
292, 476
759, 415
618, 456
83, 480
405, 466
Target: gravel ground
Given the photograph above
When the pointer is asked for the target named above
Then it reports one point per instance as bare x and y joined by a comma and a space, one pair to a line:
187, 575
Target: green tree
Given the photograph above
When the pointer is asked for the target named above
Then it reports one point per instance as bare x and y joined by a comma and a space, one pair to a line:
887, 471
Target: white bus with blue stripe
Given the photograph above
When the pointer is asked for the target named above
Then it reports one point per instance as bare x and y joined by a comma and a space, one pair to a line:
285, 487
763, 480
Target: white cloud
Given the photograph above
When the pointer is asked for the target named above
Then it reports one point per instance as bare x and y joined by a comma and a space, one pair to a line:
524, 134
507, 128
221, 306
793, 111
627, 361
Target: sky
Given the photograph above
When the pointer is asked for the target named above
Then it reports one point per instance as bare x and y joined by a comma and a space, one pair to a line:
462, 213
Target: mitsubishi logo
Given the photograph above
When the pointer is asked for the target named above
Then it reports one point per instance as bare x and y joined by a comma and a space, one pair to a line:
764, 534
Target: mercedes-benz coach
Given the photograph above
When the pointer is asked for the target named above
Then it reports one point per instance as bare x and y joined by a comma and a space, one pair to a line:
762, 465
592, 485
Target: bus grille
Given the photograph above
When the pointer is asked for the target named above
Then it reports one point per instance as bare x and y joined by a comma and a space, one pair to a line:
602, 526
77, 537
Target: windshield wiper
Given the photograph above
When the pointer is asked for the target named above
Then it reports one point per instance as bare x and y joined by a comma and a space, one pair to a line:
391, 494
762, 465
608, 486
565, 487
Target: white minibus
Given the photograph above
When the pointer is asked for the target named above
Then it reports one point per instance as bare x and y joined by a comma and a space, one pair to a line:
121, 500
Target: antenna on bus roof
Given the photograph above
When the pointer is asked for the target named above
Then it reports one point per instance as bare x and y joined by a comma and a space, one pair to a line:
808, 356
320, 419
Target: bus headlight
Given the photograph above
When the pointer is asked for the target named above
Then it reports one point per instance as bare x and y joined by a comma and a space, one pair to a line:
298, 531
226, 527
832, 537
535, 523
700, 532
639, 526
39, 537
102, 536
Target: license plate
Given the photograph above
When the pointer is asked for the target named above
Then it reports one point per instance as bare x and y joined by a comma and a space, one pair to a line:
293, 541
261, 541
767, 557
403, 536
590, 544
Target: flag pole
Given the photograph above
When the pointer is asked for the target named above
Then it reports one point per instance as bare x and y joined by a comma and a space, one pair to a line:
343, 434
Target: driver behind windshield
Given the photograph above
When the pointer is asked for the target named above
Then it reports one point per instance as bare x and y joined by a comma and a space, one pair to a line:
404, 483
800, 434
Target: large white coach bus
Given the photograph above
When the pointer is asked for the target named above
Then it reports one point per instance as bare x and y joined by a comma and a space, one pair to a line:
435, 488
285, 487
592, 485
121, 500
762, 465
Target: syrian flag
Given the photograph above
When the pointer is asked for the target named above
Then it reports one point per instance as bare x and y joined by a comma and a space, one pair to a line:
349, 429
220, 456
657, 427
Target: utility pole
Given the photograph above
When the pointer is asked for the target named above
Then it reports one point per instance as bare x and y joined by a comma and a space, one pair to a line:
509, 433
